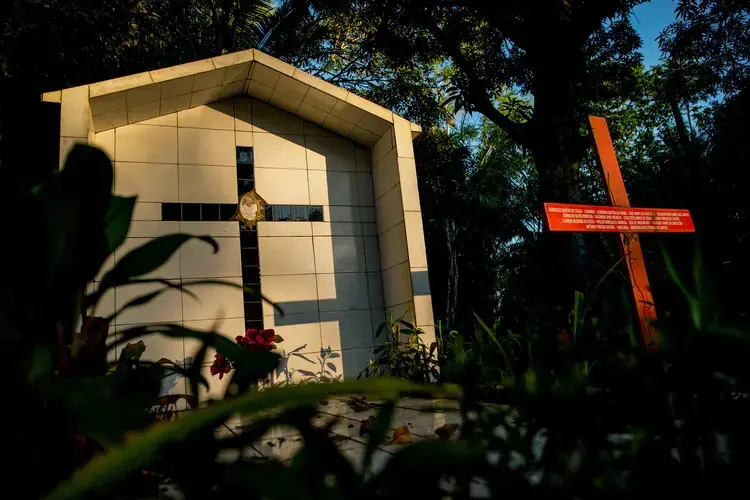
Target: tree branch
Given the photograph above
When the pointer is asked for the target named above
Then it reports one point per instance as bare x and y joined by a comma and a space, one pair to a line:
477, 91
588, 16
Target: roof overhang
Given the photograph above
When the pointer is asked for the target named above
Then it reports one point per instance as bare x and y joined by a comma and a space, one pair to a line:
135, 98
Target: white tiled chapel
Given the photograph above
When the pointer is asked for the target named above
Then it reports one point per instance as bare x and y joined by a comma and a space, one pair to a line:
343, 244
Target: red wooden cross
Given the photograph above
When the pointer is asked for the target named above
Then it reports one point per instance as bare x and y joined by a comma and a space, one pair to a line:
621, 218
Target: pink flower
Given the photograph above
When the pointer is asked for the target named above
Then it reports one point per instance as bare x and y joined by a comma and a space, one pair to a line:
254, 340
220, 365
257, 340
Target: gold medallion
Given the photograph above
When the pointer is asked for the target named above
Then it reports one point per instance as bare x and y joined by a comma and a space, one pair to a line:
250, 209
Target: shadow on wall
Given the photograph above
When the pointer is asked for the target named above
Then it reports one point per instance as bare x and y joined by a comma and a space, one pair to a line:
345, 298
327, 279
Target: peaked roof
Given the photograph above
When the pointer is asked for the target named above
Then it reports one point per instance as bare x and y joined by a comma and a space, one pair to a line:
142, 96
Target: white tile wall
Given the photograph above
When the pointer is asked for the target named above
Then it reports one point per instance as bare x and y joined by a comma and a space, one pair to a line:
385, 174
155, 182
339, 254
325, 275
143, 143
146, 211
207, 184
214, 301
206, 147
296, 293
210, 228
393, 243
286, 228
157, 346
342, 292
330, 153
279, 151
74, 111
375, 287
166, 308
397, 284
297, 330
389, 210
282, 186
415, 238
372, 253
346, 329
169, 270
286, 255
217, 115
106, 142
226, 327
267, 118
152, 229
337, 228
342, 187
197, 259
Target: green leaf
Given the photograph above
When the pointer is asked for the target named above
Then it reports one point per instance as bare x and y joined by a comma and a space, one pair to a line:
119, 214
379, 430
137, 302
407, 324
278, 339
381, 328
429, 459
692, 302
489, 332
75, 204
219, 342
131, 353
146, 298
143, 447
331, 367
195, 378
147, 258
41, 364
93, 298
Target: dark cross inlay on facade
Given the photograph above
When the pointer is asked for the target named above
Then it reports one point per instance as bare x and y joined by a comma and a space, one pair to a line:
248, 235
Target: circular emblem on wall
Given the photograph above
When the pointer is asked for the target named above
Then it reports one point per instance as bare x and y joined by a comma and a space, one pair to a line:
250, 209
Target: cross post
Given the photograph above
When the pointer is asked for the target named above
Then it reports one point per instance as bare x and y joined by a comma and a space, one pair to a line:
622, 219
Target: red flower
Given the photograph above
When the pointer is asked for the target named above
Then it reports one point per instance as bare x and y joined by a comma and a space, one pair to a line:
257, 340
220, 365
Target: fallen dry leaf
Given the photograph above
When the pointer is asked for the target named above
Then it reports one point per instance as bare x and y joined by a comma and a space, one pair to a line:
446, 431
359, 404
365, 426
401, 435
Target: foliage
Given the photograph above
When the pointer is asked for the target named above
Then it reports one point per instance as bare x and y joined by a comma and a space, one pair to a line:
130, 36
604, 420
402, 353
585, 412
74, 411
587, 56
254, 340
709, 42
326, 371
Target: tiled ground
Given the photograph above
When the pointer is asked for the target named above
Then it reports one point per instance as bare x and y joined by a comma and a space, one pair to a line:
421, 417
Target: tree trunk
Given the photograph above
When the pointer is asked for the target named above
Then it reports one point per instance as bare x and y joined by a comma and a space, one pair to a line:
679, 121
452, 289
556, 146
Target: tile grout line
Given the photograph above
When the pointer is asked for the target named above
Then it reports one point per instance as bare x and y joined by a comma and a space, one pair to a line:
364, 248
312, 238
179, 263
114, 190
